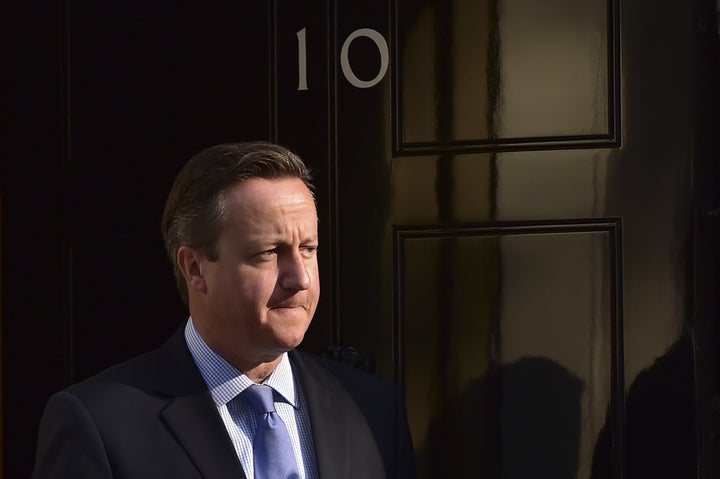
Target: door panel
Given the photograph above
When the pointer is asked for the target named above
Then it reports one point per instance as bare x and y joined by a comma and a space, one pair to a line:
476, 73
508, 345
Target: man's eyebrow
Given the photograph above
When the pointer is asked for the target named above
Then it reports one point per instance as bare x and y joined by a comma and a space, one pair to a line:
270, 240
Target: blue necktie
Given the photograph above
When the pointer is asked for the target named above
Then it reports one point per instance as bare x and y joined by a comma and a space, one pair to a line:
273, 454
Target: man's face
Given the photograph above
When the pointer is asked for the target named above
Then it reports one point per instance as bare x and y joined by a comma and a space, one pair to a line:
263, 289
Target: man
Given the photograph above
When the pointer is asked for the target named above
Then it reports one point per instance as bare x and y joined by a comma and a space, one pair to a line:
240, 226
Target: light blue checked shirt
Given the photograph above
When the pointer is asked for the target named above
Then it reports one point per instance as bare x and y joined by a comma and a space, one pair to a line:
225, 382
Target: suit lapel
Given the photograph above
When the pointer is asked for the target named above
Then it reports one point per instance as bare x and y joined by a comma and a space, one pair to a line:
191, 414
326, 405
200, 430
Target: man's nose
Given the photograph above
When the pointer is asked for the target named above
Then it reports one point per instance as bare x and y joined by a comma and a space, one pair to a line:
295, 274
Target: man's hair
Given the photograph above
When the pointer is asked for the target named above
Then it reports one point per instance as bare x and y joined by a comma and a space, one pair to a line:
196, 207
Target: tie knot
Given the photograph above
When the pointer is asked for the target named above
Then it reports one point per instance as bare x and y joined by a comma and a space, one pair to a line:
261, 397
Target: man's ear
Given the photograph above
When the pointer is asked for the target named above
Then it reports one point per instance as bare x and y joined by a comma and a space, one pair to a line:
189, 261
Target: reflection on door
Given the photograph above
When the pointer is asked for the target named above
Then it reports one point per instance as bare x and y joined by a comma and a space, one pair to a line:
507, 345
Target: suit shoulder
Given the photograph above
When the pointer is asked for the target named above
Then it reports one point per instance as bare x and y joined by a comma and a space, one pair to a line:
132, 376
162, 369
351, 378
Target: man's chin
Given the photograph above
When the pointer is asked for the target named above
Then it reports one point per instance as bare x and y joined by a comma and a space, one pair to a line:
289, 337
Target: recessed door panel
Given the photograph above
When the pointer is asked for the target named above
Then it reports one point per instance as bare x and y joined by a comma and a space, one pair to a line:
507, 345
475, 74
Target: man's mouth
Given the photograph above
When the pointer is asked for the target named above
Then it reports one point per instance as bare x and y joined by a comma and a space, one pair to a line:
288, 306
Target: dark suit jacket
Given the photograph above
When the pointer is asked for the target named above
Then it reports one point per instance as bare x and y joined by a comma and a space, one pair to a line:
153, 417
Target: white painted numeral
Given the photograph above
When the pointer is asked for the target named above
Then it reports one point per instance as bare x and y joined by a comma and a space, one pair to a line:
382, 46
302, 61
347, 70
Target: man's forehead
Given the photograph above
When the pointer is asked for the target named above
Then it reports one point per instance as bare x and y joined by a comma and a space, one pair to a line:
271, 183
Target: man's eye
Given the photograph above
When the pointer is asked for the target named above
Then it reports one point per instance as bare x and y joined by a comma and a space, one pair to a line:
268, 252
309, 250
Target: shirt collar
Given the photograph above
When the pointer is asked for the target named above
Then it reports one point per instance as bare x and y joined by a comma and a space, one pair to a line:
224, 381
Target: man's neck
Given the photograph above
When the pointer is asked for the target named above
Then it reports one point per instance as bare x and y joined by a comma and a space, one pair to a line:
257, 367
